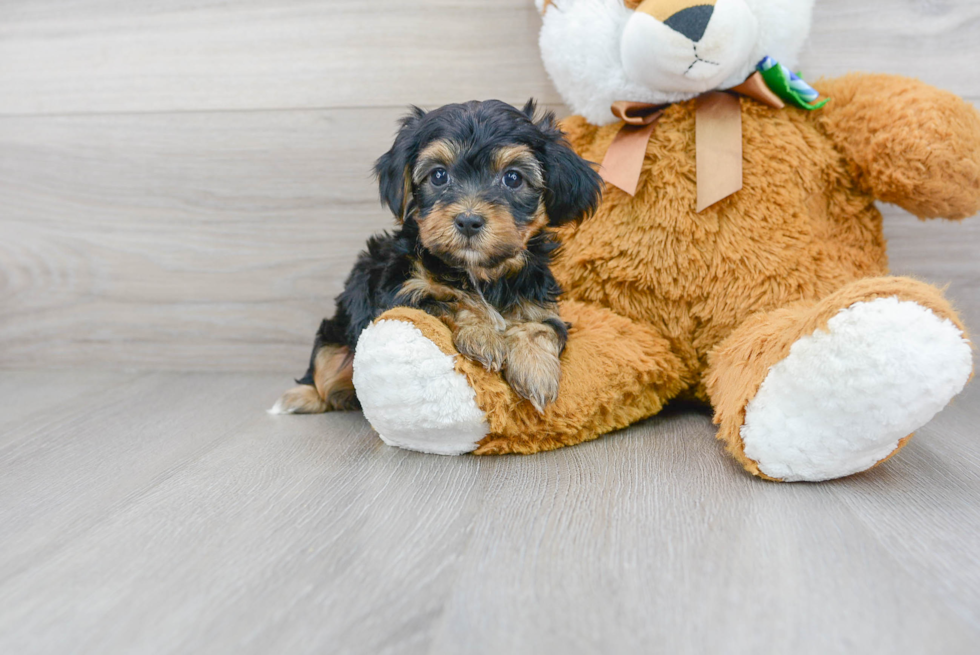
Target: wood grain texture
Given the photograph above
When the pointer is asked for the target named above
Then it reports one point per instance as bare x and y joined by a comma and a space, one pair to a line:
918, 38
228, 234
170, 515
218, 240
205, 232
183, 185
65, 56
92, 57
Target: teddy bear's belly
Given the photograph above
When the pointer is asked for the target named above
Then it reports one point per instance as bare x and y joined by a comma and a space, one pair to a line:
696, 277
799, 229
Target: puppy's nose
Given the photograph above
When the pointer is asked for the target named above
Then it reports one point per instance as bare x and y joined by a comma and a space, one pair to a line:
691, 22
469, 224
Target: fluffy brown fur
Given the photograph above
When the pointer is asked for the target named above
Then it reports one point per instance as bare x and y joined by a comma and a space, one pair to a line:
666, 302
738, 366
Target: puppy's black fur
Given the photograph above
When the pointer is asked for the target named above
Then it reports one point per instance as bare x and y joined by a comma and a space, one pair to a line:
474, 187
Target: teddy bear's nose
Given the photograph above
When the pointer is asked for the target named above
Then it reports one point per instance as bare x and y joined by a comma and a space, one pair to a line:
691, 22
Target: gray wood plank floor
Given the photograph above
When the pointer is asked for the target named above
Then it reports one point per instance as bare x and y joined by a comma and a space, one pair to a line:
166, 513
184, 185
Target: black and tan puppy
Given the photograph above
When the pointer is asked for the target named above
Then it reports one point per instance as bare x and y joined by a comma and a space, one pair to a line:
475, 188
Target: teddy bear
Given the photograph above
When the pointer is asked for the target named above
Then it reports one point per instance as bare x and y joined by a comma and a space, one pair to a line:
737, 258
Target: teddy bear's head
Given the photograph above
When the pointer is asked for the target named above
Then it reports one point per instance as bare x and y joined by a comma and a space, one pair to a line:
660, 51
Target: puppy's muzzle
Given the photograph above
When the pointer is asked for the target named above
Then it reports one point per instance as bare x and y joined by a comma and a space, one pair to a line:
469, 225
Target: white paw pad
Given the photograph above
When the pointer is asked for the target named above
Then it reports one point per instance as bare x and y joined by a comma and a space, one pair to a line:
412, 394
843, 398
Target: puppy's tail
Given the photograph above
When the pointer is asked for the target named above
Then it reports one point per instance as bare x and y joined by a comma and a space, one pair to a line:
332, 388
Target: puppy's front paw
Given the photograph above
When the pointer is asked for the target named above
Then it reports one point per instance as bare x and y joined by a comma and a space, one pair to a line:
482, 343
533, 367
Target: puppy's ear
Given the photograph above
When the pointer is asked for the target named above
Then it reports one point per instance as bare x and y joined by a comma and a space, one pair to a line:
530, 108
393, 168
574, 189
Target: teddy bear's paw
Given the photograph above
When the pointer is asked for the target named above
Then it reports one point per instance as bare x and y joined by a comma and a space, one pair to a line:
845, 397
412, 394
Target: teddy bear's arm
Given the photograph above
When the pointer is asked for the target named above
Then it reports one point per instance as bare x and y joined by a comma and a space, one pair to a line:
910, 144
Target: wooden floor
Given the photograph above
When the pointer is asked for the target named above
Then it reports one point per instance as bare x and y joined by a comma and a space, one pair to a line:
184, 186
166, 513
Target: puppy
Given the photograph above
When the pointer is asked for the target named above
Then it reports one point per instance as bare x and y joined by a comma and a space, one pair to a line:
475, 188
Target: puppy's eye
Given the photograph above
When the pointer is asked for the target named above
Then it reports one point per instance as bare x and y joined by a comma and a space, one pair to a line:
439, 177
513, 180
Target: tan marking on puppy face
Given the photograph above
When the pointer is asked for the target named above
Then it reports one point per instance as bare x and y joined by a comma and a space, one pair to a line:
499, 250
406, 196
438, 153
499, 247
498, 241
501, 234
514, 264
535, 227
521, 158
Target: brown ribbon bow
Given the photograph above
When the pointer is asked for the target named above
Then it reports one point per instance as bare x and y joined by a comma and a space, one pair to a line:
718, 133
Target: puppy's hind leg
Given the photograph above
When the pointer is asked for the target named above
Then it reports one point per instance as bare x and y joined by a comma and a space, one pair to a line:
334, 378
328, 386
301, 399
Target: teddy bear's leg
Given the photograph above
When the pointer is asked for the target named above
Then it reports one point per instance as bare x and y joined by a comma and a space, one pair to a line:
420, 394
820, 391
409, 386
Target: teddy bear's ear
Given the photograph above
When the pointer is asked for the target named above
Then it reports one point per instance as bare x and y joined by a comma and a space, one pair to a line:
392, 168
574, 189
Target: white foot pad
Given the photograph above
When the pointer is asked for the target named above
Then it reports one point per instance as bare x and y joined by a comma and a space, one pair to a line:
412, 394
843, 398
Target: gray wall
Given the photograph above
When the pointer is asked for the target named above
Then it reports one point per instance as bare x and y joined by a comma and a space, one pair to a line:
183, 185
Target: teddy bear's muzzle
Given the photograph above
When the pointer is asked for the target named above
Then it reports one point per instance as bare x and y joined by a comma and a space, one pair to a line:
688, 46
689, 17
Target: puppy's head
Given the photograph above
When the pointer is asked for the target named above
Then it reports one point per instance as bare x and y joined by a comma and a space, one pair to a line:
481, 179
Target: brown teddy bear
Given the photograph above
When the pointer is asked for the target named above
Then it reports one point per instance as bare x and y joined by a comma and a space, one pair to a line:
748, 272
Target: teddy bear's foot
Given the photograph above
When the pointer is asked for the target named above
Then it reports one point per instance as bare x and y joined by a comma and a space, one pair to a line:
848, 392
419, 393
411, 392
844, 399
